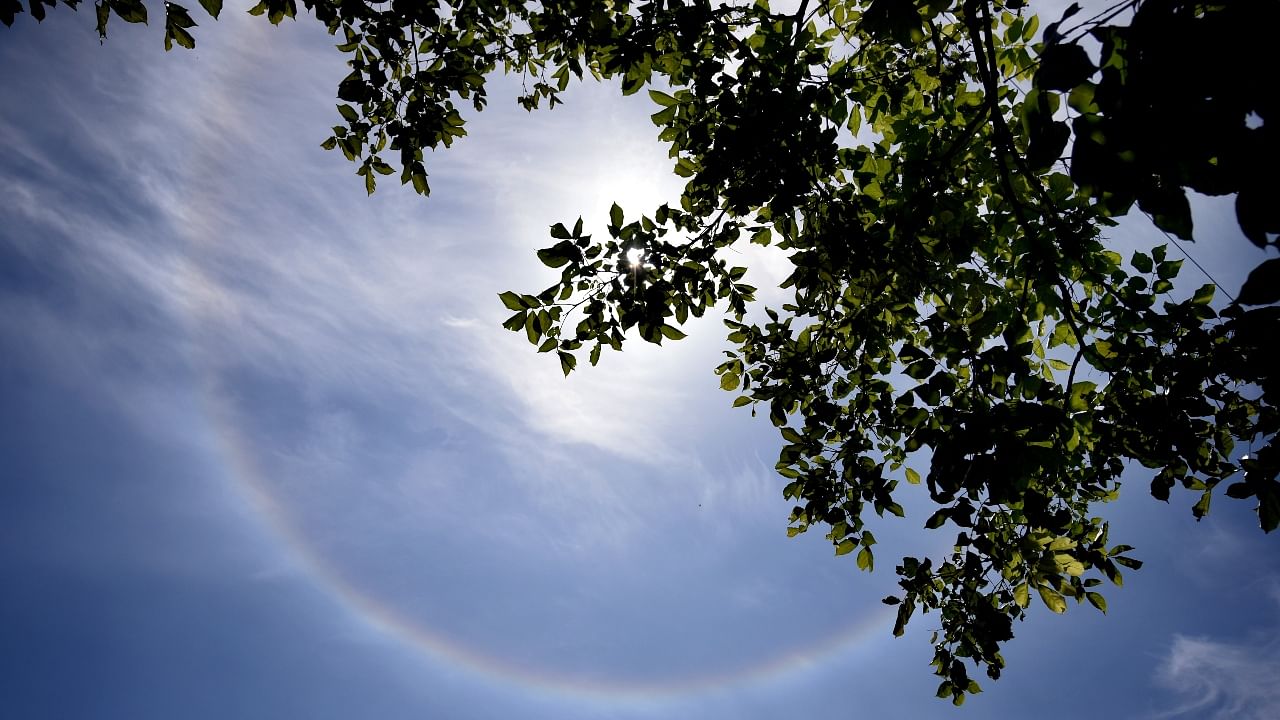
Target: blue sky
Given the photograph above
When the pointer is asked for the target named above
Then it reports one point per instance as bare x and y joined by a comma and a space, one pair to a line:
265, 451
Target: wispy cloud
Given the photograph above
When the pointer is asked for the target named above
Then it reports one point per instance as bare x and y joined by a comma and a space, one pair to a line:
1222, 679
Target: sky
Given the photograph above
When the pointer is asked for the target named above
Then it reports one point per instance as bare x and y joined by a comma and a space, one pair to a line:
266, 452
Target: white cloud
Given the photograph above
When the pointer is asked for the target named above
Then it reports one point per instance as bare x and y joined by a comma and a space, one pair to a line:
1216, 679
258, 251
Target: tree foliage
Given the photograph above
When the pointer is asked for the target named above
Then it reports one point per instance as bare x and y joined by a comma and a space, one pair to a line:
940, 173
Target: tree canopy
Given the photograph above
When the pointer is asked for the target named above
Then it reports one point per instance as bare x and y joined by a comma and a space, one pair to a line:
940, 174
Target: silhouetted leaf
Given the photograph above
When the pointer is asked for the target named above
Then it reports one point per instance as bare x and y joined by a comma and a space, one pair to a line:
1062, 67
1263, 284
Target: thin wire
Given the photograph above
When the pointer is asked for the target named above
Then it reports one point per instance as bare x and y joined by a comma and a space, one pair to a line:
1180, 245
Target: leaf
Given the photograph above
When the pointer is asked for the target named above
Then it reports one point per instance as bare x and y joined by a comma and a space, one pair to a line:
1063, 67
532, 329
1047, 144
1201, 508
131, 11
559, 254
1257, 214
1052, 599
913, 477
1239, 491
1068, 565
1051, 34
937, 519
1168, 269
213, 7
662, 98
1079, 400
1262, 286
1268, 505
567, 362
672, 333
1021, 595
729, 381
615, 216
921, 369
1096, 600
845, 547
865, 559
905, 611
513, 301
1204, 295
348, 112
179, 35
1128, 562
1169, 209
103, 13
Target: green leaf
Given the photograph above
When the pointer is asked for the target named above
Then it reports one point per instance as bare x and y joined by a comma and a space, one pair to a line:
1021, 595
1128, 562
865, 559
672, 333
1168, 269
662, 98
348, 112
513, 301
913, 477
1201, 508
567, 362
937, 519
615, 216
1052, 599
131, 11
175, 33
532, 329
729, 381
213, 7
921, 369
1068, 565
559, 254
1080, 393
103, 14
1062, 335
1096, 600
845, 547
